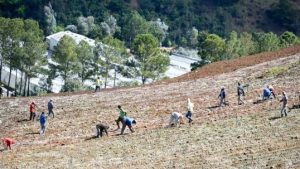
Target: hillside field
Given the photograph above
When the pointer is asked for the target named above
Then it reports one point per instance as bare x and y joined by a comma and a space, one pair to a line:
234, 136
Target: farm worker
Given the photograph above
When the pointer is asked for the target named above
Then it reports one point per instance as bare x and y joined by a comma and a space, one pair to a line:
32, 109
100, 128
8, 142
127, 121
284, 101
222, 96
190, 107
121, 116
240, 93
98, 84
43, 120
272, 90
176, 118
50, 108
266, 93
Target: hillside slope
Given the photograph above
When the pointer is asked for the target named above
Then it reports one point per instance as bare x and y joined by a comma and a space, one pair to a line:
245, 136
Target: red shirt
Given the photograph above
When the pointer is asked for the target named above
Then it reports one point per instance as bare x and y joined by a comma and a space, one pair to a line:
32, 108
8, 141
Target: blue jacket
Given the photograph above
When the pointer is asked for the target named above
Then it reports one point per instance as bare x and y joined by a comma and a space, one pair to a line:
128, 121
50, 106
267, 92
222, 94
43, 119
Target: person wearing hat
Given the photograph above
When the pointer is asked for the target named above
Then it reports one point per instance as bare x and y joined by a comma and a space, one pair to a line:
8, 142
284, 101
127, 121
121, 116
43, 120
222, 96
50, 108
32, 109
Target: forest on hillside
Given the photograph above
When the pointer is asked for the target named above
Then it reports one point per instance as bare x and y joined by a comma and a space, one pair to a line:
180, 16
217, 29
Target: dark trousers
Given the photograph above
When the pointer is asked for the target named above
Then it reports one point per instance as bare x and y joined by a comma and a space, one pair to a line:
50, 111
189, 116
43, 128
100, 131
124, 126
32, 116
120, 119
97, 88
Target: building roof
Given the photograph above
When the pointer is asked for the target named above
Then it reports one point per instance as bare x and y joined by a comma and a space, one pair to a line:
77, 37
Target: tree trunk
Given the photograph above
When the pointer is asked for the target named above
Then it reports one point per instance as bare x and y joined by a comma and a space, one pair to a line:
105, 81
25, 81
1, 71
21, 83
82, 78
16, 80
65, 78
28, 87
115, 77
9, 77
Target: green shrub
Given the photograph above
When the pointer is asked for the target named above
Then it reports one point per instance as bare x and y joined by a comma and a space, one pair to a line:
276, 71
130, 83
74, 85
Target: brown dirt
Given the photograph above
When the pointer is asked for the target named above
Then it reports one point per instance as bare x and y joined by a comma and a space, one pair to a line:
247, 136
235, 64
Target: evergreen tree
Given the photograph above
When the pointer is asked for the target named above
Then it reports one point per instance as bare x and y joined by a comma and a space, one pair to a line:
211, 48
66, 57
33, 51
49, 19
152, 62
111, 53
85, 59
135, 24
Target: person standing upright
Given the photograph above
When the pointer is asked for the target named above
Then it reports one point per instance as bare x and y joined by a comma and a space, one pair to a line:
240, 93
43, 120
98, 84
222, 97
32, 109
190, 107
50, 108
284, 101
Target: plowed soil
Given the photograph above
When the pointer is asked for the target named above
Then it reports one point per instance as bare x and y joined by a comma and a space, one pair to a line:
234, 136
